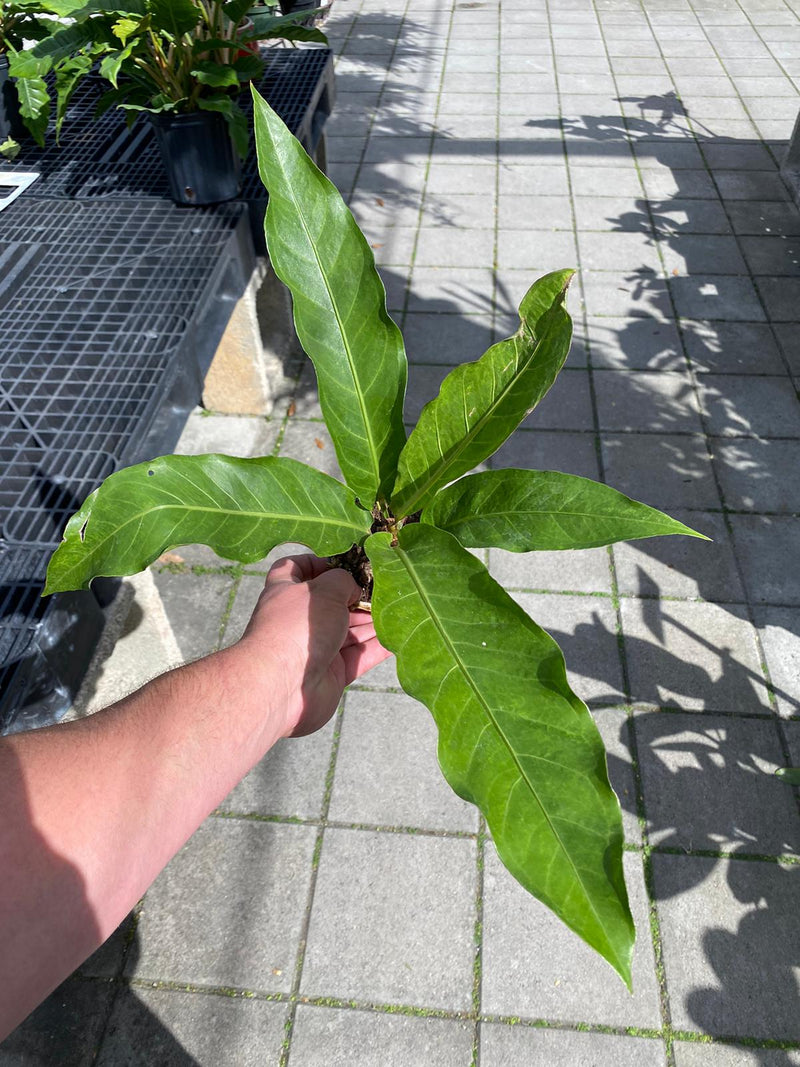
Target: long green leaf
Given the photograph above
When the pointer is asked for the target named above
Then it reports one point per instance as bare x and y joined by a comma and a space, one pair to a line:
526, 511
175, 16
68, 77
340, 313
480, 404
241, 508
63, 43
34, 106
513, 738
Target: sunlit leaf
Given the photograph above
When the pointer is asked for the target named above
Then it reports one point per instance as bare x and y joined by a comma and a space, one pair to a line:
513, 738
526, 511
241, 508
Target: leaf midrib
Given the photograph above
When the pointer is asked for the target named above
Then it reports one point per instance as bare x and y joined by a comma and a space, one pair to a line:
522, 512
361, 400
267, 515
489, 714
467, 439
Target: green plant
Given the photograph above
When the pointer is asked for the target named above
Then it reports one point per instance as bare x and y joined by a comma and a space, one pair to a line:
20, 21
158, 55
790, 775
513, 738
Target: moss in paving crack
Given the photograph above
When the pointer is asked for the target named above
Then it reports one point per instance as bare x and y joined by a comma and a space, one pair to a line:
226, 614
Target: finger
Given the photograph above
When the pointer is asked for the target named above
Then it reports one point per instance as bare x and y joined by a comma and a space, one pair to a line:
360, 658
359, 635
300, 568
340, 584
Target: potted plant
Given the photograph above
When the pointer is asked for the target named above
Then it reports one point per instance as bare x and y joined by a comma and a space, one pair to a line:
513, 737
184, 63
18, 23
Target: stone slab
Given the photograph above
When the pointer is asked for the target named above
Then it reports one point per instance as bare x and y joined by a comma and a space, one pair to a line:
65, 1028
289, 781
585, 628
228, 908
232, 435
392, 920
780, 639
615, 729
523, 1046
648, 401
333, 1037
663, 470
700, 1054
195, 606
693, 656
709, 784
767, 550
387, 773
535, 968
585, 571
745, 406
731, 945
175, 1029
759, 475
681, 566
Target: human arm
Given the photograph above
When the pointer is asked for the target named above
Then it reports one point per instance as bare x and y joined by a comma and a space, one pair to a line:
91, 811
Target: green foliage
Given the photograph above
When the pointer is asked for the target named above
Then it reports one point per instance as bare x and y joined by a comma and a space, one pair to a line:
528, 511
790, 775
159, 55
513, 737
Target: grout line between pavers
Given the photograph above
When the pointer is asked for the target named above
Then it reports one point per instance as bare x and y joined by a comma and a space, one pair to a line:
477, 968
315, 859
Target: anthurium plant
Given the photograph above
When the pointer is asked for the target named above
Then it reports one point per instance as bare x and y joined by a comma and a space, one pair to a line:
513, 737
159, 56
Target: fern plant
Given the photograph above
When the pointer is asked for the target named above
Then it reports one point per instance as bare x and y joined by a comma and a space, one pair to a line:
513, 738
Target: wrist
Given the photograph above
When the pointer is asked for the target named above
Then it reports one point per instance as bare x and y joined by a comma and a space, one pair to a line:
259, 678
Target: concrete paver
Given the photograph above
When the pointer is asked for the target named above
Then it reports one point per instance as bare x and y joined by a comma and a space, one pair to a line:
481, 144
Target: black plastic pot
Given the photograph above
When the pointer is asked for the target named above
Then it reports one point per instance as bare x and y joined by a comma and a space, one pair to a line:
11, 124
201, 163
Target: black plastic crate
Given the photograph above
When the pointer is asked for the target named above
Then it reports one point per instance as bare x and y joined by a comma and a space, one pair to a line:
111, 313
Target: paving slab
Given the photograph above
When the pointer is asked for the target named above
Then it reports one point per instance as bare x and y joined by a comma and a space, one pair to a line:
288, 782
739, 406
663, 470
587, 571
647, 401
709, 783
534, 967
173, 1029
673, 662
680, 566
731, 945
701, 1054
387, 773
65, 1028
331, 1037
393, 920
780, 638
767, 547
228, 909
585, 628
519, 1046
195, 606
635, 344
732, 347
759, 475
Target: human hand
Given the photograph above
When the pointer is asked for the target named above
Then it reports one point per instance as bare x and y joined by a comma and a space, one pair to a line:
304, 623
